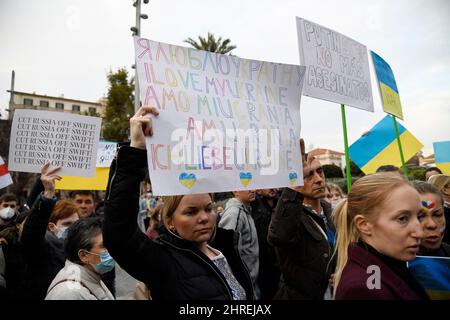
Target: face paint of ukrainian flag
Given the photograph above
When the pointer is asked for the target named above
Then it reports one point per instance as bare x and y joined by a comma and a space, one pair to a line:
388, 87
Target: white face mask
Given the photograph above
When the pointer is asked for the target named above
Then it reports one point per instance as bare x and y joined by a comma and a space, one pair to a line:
334, 203
7, 213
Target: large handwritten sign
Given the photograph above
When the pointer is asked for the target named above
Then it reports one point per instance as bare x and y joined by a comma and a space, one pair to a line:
225, 123
66, 140
337, 67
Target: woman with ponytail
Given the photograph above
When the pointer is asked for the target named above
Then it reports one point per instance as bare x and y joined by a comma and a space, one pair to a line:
378, 230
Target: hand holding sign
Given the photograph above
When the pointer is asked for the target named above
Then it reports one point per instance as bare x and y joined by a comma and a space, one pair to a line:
141, 126
48, 177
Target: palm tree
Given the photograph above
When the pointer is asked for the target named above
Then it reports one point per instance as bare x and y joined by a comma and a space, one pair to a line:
211, 44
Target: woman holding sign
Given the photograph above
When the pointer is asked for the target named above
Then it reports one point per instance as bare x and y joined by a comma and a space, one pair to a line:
191, 259
378, 230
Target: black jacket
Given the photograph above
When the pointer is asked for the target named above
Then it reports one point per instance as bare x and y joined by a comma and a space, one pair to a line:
43, 252
269, 269
15, 266
447, 227
171, 267
303, 251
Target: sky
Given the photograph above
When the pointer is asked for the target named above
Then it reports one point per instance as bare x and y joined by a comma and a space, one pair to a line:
68, 47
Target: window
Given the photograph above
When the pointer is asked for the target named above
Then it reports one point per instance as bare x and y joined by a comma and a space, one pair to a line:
43, 104
59, 105
75, 108
28, 102
92, 111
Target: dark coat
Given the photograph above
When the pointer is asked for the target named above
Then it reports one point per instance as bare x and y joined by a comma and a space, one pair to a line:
447, 227
15, 266
302, 249
269, 269
43, 252
353, 283
442, 251
172, 268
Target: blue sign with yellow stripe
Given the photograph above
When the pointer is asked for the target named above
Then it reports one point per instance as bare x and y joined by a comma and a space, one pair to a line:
442, 156
388, 87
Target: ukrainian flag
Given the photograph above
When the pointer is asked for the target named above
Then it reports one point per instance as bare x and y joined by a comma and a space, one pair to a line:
388, 87
433, 273
380, 147
442, 156
97, 182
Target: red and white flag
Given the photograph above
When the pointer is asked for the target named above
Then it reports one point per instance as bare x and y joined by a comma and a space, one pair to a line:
5, 177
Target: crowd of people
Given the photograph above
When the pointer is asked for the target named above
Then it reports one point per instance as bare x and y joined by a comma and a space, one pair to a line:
308, 242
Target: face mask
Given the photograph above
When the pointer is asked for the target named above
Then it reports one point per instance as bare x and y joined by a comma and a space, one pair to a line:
7, 213
106, 264
62, 233
334, 203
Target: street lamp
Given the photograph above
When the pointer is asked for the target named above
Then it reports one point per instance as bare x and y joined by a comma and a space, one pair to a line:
137, 32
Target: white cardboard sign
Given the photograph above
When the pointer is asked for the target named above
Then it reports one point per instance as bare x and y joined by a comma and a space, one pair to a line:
225, 123
105, 153
337, 67
64, 139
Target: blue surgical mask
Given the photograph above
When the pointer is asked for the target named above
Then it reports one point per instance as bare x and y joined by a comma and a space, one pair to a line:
106, 264
62, 233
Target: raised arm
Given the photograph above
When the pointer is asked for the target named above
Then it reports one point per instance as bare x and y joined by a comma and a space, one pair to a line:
36, 224
128, 245
284, 224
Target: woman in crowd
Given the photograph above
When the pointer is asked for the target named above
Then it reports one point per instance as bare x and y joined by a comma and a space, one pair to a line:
433, 221
43, 235
442, 183
87, 260
378, 230
183, 262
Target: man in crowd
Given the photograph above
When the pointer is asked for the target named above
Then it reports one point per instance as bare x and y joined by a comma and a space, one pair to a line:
237, 217
85, 201
303, 236
8, 210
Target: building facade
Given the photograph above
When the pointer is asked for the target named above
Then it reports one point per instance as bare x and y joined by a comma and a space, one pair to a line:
327, 156
24, 100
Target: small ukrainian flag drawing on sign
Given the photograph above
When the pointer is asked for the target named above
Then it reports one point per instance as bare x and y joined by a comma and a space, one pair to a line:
379, 146
388, 87
442, 156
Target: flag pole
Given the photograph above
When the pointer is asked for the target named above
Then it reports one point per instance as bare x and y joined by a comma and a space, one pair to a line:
405, 171
347, 158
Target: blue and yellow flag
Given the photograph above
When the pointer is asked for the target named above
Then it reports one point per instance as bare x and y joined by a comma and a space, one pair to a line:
433, 273
442, 156
97, 182
388, 87
379, 146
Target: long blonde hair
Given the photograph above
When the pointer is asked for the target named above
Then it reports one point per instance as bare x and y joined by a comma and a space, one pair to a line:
170, 205
365, 196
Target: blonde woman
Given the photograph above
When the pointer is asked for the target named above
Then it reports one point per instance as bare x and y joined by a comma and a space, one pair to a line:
442, 183
378, 230
182, 263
